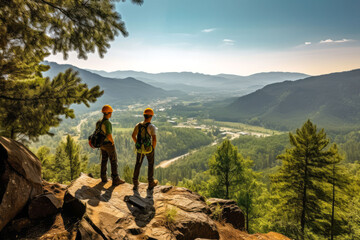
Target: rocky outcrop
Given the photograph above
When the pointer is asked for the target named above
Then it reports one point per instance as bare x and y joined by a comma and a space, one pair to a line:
165, 212
230, 212
95, 210
20, 178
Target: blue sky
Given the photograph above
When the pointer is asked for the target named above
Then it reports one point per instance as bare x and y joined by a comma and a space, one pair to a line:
234, 36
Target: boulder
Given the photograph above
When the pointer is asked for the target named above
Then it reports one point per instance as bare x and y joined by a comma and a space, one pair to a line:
57, 189
231, 213
20, 178
43, 206
121, 213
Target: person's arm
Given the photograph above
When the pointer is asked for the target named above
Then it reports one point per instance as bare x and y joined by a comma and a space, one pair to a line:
153, 141
134, 134
108, 130
109, 136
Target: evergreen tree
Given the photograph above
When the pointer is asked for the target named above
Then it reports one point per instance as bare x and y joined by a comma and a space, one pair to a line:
227, 165
340, 195
249, 192
46, 159
29, 31
61, 165
68, 161
301, 178
84, 162
73, 156
354, 215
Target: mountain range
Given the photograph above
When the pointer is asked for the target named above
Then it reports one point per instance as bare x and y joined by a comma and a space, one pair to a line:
117, 91
331, 100
198, 82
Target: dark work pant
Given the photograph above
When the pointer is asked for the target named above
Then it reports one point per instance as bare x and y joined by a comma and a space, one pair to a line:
108, 152
139, 159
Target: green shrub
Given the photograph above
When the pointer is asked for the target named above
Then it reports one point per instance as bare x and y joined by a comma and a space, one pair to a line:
217, 213
170, 215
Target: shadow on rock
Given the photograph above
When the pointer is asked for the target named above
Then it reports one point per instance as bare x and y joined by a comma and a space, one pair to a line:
141, 208
95, 194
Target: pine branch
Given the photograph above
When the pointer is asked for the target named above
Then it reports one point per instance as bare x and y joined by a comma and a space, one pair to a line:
66, 13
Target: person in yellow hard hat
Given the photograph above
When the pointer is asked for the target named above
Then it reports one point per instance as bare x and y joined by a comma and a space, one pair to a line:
108, 148
144, 136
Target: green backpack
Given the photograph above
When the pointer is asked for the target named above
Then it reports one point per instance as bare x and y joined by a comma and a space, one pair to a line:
143, 140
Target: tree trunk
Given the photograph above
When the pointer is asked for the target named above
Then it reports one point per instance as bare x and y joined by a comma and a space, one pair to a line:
12, 133
303, 212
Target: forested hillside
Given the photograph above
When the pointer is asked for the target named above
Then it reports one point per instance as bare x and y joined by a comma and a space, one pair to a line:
332, 101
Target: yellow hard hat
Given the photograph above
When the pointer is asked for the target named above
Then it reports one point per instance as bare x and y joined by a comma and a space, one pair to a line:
149, 111
107, 109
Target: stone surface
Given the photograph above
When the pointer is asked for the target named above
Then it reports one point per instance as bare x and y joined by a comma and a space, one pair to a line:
228, 232
58, 190
105, 213
94, 210
231, 213
19, 224
20, 178
43, 206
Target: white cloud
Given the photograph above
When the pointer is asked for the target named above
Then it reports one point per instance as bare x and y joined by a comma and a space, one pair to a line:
208, 30
307, 43
335, 41
228, 42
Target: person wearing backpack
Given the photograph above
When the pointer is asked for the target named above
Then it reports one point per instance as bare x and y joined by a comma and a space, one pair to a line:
144, 136
108, 148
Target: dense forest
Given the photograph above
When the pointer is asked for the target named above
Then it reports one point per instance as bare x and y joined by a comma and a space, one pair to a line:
267, 183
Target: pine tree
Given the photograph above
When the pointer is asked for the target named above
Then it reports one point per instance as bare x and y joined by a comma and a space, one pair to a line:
340, 194
68, 161
354, 215
227, 165
301, 178
249, 192
29, 31
61, 165
43, 153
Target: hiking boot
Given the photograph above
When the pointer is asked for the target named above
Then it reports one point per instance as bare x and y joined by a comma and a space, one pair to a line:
104, 179
153, 184
117, 181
